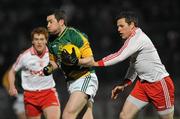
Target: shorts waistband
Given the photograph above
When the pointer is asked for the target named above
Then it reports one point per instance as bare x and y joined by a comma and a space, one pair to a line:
145, 81
40, 90
68, 79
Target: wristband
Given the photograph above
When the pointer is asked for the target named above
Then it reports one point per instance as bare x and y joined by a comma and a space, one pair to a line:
127, 82
100, 63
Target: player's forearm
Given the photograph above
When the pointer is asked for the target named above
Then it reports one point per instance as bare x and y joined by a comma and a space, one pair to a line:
55, 66
87, 62
108, 61
127, 82
122, 54
48, 70
11, 79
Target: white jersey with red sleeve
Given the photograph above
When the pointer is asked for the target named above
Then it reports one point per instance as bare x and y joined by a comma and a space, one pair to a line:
32, 70
144, 58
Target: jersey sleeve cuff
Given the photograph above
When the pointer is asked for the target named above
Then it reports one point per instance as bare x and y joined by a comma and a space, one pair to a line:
100, 63
127, 82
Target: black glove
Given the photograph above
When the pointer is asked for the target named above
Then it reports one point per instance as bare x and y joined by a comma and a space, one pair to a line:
47, 70
69, 59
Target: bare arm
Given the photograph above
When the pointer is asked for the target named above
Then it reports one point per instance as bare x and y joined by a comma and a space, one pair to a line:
120, 88
53, 63
131, 46
87, 62
52, 60
116, 91
11, 79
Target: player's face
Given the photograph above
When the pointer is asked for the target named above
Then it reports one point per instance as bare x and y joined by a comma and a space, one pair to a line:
53, 25
124, 29
39, 42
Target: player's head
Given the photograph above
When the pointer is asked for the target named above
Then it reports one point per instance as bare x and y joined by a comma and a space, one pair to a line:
56, 20
39, 38
127, 21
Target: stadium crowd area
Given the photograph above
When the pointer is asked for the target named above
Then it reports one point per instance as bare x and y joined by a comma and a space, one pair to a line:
159, 19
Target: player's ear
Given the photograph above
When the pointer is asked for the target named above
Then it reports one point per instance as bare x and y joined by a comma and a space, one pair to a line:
61, 22
132, 25
32, 42
46, 41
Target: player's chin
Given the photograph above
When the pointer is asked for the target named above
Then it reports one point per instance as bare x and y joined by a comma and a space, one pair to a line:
51, 31
67, 64
40, 49
123, 37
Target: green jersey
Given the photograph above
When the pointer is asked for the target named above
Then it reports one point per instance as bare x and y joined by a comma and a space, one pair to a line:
75, 37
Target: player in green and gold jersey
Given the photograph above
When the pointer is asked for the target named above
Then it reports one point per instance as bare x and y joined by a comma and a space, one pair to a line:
82, 81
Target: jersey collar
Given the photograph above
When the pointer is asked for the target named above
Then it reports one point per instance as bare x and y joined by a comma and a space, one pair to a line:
60, 35
34, 52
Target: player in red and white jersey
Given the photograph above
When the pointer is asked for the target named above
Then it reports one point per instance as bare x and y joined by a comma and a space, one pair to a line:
154, 84
40, 96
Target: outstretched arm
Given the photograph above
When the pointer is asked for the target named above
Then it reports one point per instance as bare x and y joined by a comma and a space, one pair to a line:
130, 47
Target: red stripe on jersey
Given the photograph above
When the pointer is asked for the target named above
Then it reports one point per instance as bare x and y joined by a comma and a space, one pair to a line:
112, 56
117, 53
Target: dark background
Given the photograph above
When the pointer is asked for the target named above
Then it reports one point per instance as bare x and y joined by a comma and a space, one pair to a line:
159, 19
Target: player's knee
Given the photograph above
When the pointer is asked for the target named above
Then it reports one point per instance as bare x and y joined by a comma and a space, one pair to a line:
53, 117
65, 115
124, 115
68, 115
166, 116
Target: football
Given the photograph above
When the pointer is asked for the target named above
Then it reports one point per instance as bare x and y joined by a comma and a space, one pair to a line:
69, 47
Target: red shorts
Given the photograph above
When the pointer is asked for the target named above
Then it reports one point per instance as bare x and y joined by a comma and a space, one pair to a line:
160, 93
36, 101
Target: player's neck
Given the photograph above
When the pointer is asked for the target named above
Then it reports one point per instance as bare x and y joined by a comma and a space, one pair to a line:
62, 30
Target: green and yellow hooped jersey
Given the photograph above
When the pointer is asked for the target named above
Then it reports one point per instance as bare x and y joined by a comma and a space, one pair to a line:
73, 36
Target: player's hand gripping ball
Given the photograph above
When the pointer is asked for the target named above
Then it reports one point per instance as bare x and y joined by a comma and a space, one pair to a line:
70, 54
47, 70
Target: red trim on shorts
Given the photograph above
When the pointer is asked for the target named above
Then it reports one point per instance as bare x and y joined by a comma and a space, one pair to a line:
160, 93
36, 101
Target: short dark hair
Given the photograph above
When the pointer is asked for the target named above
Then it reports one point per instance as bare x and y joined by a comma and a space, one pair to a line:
59, 14
40, 30
129, 16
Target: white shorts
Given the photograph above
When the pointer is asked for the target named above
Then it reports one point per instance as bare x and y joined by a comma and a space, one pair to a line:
87, 84
18, 105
